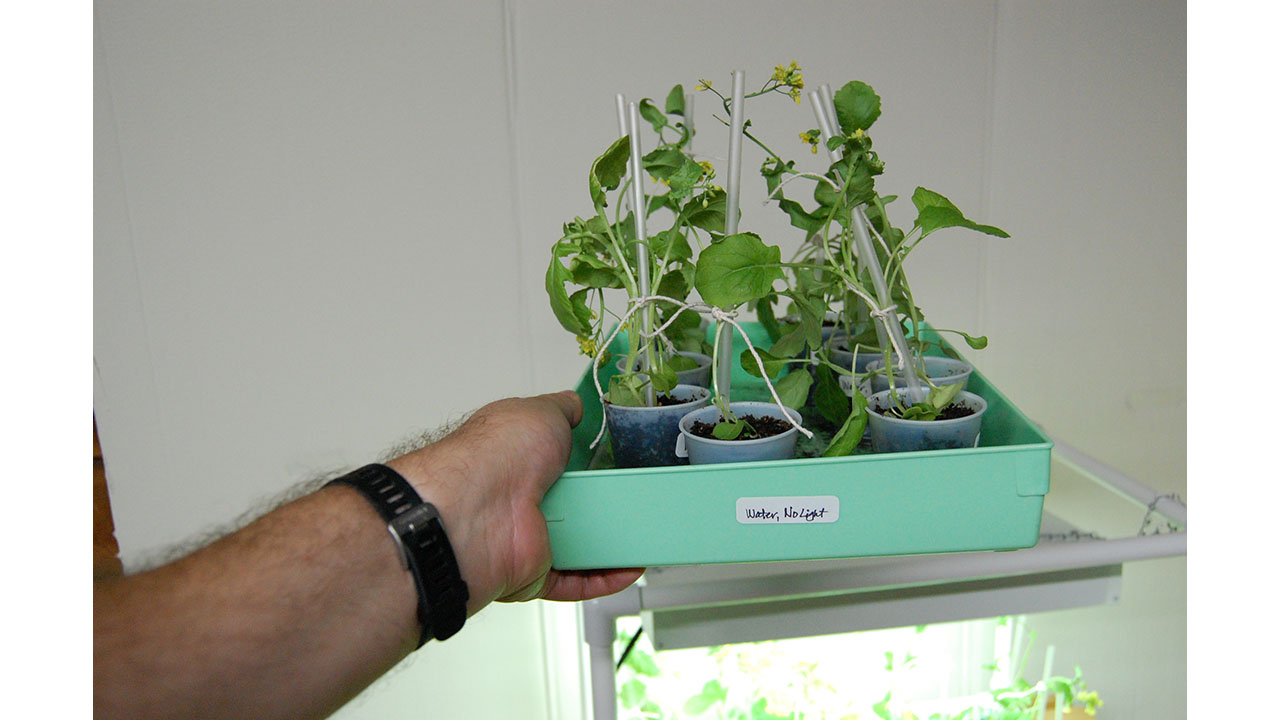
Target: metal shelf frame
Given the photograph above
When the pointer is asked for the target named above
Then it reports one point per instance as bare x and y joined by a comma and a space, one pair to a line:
689, 606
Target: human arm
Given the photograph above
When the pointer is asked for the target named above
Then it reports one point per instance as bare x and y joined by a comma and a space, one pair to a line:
297, 612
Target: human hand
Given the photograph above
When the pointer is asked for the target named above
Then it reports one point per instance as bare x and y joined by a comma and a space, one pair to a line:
488, 478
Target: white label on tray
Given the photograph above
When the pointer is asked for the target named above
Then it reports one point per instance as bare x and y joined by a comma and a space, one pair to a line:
812, 509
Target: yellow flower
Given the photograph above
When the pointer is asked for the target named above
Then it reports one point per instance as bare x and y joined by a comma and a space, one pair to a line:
1091, 702
587, 346
708, 171
789, 76
703, 84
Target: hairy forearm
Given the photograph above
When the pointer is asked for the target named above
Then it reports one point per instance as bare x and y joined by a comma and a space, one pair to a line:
300, 610
289, 617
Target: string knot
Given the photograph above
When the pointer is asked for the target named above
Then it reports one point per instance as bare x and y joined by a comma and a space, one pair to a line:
885, 313
723, 315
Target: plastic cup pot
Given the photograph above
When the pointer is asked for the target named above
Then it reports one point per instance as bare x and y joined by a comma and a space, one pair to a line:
892, 434
646, 436
700, 376
847, 383
841, 355
705, 451
940, 370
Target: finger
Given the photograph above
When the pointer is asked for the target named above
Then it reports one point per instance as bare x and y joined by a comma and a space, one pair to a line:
569, 403
573, 585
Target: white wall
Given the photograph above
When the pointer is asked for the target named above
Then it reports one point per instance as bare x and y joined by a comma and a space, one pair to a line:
320, 227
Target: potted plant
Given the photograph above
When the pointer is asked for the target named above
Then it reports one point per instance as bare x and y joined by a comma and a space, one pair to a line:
608, 252
736, 270
854, 259
730, 273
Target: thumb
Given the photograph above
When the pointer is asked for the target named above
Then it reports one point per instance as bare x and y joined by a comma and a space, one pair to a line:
568, 402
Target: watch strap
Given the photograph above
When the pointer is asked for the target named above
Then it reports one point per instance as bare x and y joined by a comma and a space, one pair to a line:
423, 546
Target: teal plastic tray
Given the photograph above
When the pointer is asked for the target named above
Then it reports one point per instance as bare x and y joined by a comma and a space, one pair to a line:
984, 498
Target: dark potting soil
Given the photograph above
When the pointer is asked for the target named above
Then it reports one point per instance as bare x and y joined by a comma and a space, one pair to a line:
668, 401
665, 401
764, 426
950, 412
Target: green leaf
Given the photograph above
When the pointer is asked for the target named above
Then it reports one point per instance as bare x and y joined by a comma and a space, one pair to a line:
791, 344
772, 170
643, 663
650, 112
674, 285
811, 314
685, 330
977, 343
738, 269
799, 217
698, 704
943, 395
937, 212
683, 180
564, 309
670, 241
675, 101
708, 211
681, 363
857, 106
773, 364
881, 709
633, 693
608, 169
590, 271
793, 389
626, 389
711, 694
729, 429
663, 378
832, 403
849, 435
664, 162
578, 301
764, 314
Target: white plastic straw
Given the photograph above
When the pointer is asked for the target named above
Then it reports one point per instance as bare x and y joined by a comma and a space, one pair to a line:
688, 120
724, 336
620, 101
829, 103
1042, 699
638, 205
826, 125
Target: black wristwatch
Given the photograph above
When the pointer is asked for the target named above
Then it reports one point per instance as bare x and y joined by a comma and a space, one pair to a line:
424, 548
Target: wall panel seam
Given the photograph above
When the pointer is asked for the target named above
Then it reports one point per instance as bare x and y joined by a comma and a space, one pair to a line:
127, 239
987, 173
523, 321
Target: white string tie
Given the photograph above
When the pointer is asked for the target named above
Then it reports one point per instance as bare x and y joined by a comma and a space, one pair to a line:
716, 313
883, 315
